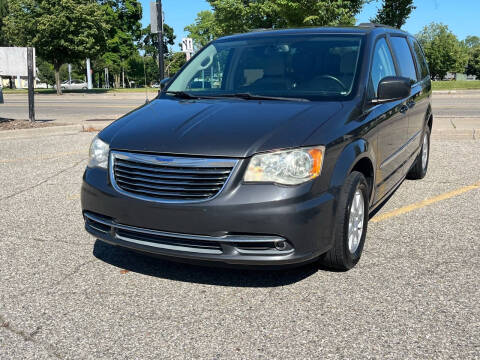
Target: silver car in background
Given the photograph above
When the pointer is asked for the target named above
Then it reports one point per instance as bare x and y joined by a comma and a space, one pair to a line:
73, 85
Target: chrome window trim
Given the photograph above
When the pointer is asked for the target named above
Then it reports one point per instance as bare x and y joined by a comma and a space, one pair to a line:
174, 161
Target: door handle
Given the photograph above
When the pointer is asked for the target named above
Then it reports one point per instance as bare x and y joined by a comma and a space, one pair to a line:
404, 109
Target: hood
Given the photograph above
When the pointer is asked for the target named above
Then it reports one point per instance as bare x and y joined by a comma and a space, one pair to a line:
225, 128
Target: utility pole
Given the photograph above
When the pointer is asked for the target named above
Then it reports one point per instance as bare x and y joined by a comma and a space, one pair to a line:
160, 39
31, 84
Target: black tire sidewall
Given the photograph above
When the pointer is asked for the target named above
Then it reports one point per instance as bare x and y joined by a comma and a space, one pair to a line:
424, 170
359, 183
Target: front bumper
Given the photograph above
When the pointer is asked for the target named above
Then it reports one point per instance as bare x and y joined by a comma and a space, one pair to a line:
244, 225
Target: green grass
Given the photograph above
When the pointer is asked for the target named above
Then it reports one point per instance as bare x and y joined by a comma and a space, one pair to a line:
93, 91
437, 85
456, 85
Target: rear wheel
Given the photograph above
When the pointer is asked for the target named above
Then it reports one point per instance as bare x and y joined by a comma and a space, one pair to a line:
420, 166
351, 224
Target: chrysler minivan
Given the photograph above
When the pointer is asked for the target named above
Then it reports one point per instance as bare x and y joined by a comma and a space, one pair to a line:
268, 148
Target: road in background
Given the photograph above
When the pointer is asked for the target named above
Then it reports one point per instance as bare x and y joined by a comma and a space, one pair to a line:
72, 108
414, 295
90, 107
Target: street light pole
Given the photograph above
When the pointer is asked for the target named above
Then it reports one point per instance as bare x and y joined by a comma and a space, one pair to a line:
160, 40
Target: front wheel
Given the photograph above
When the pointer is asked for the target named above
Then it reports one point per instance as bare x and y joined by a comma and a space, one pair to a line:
350, 224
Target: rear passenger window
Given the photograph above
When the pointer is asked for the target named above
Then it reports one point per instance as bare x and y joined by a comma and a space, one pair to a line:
404, 57
382, 65
422, 64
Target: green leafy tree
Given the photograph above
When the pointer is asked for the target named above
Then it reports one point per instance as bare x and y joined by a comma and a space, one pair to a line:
204, 29
444, 52
3, 14
394, 12
45, 71
124, 17
473, 66
236, 16
471, 42
149, 41
174, 63
61, 32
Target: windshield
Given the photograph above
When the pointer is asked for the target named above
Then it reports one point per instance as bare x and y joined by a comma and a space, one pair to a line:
307, 66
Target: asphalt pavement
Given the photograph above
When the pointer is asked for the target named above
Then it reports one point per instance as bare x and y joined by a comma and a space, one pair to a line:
64, 295
73, 107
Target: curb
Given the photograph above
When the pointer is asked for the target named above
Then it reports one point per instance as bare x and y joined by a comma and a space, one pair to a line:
459, 91
51, 130
464, 134
440, 134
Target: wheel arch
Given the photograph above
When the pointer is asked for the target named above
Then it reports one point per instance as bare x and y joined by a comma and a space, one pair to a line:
356, 156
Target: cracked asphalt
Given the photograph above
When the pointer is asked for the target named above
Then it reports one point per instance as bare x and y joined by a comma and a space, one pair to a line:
63, 295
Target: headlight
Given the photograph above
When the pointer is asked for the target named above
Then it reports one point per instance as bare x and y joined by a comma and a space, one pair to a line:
289, 167
98, 155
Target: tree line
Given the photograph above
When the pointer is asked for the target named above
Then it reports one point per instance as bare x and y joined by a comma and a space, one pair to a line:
109, 32
443, 50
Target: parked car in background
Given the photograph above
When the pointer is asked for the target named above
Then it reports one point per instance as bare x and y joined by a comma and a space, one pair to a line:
268, 148
74, 85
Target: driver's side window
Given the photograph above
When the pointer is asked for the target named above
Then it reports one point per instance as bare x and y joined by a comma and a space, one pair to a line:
382, 66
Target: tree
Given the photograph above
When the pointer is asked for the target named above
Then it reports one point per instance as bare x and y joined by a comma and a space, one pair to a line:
473, 66
149, 41
204, 29
61, 32
471, 42
394, 12
472, 45
444, 52
3, 14
125, 30
236, 16
45, 71
174, 63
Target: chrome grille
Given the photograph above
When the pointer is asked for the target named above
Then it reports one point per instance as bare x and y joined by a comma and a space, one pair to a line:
169, 178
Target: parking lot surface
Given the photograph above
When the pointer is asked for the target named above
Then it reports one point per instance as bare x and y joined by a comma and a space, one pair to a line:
65, 295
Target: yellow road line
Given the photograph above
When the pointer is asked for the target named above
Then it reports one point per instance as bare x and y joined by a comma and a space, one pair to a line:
73, 197
45, 157
423, 203
400, 211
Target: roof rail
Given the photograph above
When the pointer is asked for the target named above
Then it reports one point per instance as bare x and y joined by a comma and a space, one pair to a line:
375, 25
261, 29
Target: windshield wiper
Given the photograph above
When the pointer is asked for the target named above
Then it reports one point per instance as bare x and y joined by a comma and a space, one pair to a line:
182, 94
249, 96
245, 96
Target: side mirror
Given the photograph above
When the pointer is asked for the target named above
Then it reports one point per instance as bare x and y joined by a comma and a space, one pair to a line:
393, 88
164, 83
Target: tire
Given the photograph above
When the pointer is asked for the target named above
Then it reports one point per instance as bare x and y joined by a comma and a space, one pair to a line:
344, 255
420, 166
84, 88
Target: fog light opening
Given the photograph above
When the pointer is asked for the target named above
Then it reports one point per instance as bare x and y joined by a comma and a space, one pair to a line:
280, 245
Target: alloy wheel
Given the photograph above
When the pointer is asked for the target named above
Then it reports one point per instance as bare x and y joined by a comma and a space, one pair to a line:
355, 221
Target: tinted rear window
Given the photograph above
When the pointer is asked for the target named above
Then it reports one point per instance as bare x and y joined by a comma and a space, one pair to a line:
404, 57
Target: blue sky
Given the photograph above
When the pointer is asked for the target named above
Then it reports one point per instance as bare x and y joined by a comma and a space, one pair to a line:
459, 15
